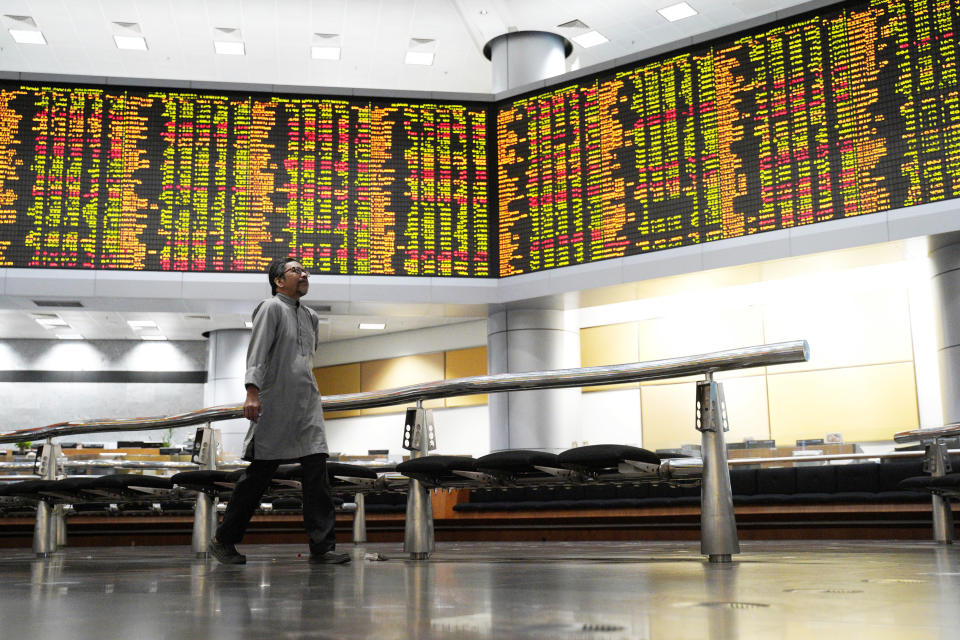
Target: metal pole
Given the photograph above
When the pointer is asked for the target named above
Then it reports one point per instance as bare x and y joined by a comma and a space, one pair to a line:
60, 522
418, 538
44, 531
718, 527
360, 520
205, 509
937, 464
41, 530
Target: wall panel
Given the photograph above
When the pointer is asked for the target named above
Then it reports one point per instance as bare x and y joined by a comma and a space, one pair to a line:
863, 403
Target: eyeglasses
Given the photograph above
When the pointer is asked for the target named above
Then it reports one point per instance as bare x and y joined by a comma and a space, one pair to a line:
296, 270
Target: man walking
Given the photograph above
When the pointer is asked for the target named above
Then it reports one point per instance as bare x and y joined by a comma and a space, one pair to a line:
286, 418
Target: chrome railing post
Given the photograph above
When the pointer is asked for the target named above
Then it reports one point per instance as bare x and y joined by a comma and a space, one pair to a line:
205, 509
718, 527
44, 527
418, 439
60, 526
360, 519
937, 464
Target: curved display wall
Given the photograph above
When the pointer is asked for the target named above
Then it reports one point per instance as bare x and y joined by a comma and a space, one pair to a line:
165, 180
849, 111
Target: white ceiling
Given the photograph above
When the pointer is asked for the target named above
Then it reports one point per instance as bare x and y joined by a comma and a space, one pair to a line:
374, 36
95, 324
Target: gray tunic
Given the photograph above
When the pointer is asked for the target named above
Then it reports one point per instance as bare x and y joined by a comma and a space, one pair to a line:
280, 364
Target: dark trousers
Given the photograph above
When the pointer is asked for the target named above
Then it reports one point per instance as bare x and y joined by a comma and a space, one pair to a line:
318, 511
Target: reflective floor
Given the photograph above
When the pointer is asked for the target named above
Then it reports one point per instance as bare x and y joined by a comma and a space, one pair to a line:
823, 590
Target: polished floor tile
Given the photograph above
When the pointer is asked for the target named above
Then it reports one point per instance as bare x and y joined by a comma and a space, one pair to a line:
612, 590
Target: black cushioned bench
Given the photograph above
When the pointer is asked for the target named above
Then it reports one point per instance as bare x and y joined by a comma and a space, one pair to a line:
947, 485
521, 466
823, 484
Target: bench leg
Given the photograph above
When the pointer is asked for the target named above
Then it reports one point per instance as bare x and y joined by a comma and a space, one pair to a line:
418, 530
204, 523
718, 527
418, 439
942, 520
205, 510
360, 520
60, 526
44, 533
44, 527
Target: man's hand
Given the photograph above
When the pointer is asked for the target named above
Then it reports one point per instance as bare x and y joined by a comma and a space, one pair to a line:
251, 406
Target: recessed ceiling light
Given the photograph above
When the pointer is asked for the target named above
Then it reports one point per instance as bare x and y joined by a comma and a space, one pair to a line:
228, 48
371, 326
248, 324
24, 36
590, 39
69, 336
155, 338
142, 324
131, 43
419, 57
677, 11
325, 53
49, 323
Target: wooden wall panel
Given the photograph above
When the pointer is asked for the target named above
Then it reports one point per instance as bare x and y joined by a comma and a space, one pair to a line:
692, 334
870, 327
341, 378
669, 412
461, 363
863, 403
668, 417
399, 372
609, 344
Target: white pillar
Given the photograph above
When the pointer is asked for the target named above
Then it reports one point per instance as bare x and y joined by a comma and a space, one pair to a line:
945, 256
520, 340
226, 368
531, 339
521, 57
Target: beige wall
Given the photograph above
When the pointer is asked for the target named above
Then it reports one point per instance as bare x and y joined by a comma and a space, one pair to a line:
860, 379
374, 375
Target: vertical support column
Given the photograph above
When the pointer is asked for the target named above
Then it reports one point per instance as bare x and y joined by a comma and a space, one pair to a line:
418, 439
360, 520
718, 527
44, 526
521, 340
226, 368
205, 509
521, 57
937, 464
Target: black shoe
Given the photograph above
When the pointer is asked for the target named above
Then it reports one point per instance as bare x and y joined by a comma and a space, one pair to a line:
330, 557
225, 553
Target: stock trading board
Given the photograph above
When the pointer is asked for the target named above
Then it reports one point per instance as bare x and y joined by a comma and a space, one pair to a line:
850, 110
847, 112
160, 180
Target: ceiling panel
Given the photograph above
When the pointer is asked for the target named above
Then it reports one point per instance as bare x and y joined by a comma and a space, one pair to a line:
278, 35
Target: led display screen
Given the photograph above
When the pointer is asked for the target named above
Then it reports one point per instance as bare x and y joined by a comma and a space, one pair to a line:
169, 180
847, 112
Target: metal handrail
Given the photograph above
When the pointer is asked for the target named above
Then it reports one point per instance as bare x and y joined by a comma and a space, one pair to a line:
829, 457
730, 359
921, 435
